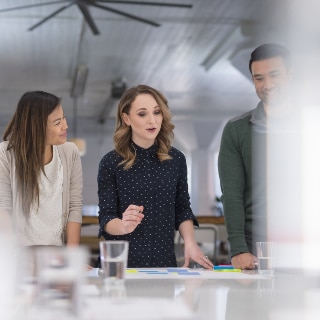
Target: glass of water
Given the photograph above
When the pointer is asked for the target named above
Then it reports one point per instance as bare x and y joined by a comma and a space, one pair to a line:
60, 273
114, 258
265, 255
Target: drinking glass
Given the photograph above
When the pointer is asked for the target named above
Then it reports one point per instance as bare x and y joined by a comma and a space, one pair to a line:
265, 255
60, 274
114, 258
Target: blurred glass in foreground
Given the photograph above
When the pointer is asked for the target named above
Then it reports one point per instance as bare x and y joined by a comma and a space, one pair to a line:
60, 277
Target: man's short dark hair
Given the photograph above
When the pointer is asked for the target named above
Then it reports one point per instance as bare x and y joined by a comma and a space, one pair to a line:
270, 50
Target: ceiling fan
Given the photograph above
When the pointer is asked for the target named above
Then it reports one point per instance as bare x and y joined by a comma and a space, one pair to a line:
84, 4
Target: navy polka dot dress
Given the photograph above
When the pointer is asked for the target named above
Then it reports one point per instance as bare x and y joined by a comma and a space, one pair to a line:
161, 187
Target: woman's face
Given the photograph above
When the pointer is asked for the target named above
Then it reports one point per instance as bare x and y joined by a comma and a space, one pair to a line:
56, 127
145, 119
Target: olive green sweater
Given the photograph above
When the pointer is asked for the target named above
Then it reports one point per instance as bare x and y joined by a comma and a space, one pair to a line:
241, 166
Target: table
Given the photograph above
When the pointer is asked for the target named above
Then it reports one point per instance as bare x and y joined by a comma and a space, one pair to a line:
209, 295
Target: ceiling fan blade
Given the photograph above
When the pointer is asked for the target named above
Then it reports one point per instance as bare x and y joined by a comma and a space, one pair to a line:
87, 15
32, 5
148, 3
50, 16
155, 24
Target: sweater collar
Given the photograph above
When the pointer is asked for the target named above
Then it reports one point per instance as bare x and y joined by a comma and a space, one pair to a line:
261, 124
258, 116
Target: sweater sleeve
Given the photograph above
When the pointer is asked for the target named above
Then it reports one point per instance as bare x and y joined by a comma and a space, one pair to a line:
5, 179
231, 169
75, 185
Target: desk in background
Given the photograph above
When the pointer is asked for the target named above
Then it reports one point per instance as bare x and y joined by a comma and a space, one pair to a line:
92, 240
88, 220
89, 238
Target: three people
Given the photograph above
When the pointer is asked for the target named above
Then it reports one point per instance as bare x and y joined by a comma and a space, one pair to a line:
142, 184
242, 157
41, 174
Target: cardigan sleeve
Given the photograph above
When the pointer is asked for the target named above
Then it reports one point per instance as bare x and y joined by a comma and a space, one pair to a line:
73, 182
5, 179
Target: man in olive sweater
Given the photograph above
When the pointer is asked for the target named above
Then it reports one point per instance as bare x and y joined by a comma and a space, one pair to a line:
242, 156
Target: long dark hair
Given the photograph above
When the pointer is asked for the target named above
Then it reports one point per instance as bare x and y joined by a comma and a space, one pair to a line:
26, 136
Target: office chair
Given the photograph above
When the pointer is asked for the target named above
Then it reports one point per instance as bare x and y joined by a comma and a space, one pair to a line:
206, 236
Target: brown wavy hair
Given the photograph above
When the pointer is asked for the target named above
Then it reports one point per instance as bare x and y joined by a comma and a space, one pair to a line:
122, 136
26, 136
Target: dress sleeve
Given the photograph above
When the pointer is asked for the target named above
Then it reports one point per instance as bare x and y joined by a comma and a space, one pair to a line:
232, 178
107, 192
183, 209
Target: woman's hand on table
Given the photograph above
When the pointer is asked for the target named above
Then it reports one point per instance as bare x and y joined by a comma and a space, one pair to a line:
194, 253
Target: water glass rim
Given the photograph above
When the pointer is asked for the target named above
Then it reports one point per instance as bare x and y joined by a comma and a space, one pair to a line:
114, 241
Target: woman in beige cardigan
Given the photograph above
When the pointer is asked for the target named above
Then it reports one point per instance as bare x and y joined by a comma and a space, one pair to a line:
41, 174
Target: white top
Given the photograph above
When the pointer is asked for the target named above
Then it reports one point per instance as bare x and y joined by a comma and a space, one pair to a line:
45, 223
10, 199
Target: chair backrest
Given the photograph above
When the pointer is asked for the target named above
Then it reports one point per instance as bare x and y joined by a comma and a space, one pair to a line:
206, 236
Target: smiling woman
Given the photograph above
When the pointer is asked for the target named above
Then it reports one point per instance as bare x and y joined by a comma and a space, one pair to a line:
41, 174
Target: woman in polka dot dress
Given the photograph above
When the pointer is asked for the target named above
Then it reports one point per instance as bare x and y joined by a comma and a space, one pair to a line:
142, 184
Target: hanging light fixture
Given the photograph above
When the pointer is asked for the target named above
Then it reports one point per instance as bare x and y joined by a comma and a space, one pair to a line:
78, 85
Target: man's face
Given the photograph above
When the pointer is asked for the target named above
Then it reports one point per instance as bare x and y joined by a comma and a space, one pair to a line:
271, 80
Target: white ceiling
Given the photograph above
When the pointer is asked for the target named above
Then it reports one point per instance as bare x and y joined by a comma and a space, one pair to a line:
169, 57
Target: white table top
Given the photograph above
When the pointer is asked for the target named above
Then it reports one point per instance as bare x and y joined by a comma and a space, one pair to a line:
196, 294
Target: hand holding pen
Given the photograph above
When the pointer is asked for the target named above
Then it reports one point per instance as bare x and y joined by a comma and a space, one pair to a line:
131, 218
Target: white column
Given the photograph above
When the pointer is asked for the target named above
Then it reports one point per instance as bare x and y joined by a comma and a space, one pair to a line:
201, 182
